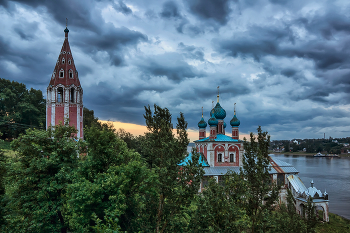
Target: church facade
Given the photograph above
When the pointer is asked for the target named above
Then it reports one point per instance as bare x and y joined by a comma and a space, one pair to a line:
64, 100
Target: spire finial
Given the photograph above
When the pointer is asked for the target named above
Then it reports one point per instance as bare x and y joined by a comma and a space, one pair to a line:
218, 93
212, 104
66, 30
312, 183
234, 113
66, 22
202, 112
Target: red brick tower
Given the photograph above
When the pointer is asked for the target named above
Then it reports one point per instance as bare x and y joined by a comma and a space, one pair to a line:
64, 93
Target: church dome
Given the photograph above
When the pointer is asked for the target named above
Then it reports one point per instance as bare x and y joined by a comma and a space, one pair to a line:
225, 125
219, 112
213, 121
202, 124
235, 122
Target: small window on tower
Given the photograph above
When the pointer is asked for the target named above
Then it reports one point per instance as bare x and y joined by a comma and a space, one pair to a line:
69, 62
70, 74
72, 91
62, 60
60, 95
232, 158
61, 73
220, 157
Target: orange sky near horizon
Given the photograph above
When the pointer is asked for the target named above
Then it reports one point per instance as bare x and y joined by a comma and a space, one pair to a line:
141, 129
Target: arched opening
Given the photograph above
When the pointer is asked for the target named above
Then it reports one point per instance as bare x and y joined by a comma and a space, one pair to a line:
220, 157
62, 60
60, 95
232, 158
72, 92
320, 213
61, 73
69, 61
302, 210
70, 73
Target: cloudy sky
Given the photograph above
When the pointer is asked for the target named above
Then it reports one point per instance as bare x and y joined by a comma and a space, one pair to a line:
285, 63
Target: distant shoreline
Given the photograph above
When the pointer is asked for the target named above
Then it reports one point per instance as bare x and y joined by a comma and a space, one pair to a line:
302, 154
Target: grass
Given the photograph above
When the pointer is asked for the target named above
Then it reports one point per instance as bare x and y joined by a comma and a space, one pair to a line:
336, 224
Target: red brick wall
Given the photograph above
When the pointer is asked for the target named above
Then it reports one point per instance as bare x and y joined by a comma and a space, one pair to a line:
220, 149
59, 114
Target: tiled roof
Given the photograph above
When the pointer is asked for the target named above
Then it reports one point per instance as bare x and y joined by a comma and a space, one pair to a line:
219, 138
188, 159
218, 171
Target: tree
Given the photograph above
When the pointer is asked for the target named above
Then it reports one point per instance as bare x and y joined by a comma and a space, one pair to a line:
176, 187
219, 208
2, 185
37, 180
89, 118
19, 108
111, 186
261, 194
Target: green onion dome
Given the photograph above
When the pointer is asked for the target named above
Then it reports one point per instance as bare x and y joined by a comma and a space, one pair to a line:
225, 125
213, 121
202, 124
66, 30
234, 121
219, 112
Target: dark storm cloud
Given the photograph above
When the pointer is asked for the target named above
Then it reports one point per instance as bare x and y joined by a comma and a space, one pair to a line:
113, 41
216, 10
121, 7
191, 51
171, 66
170, 10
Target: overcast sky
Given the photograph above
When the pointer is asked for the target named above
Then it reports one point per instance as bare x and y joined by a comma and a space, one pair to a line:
285, 63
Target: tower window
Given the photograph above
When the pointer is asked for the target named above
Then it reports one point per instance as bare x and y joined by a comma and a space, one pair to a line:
62, 60
72, 91
61, 73
220, 157
60, 95
69, 61
232, 158
70, 74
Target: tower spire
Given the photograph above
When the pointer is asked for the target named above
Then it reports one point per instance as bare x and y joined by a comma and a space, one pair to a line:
66, 30
202, 111
234, 112
218, 94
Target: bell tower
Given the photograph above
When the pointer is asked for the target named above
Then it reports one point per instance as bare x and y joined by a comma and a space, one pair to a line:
64, 93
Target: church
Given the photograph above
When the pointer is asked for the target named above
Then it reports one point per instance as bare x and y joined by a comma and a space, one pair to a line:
64, 100
221, 153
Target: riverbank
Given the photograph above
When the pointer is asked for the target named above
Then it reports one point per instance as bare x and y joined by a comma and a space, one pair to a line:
302, 154
337, 224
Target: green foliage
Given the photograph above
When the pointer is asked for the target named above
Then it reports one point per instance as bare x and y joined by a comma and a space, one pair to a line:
336, 224
89, 118
176, 188
112, 183
286, 218
311, 219
220, 207
20, 108
2, 185
37, 180
260, 193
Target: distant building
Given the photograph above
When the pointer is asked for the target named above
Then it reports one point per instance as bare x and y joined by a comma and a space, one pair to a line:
64, 93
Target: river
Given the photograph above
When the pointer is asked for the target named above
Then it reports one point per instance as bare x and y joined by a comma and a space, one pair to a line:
332, 174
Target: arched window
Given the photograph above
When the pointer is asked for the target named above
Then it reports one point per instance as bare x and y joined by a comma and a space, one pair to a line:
70, 73
72, 92
62, 60
220, 157
232, 158
60, 95
69, 62
61, 73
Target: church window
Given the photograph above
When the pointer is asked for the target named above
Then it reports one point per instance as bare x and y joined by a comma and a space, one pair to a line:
62, 60
69, 61
70, 73
72, 92
232, 158
220, 157
61, 73
60, 95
